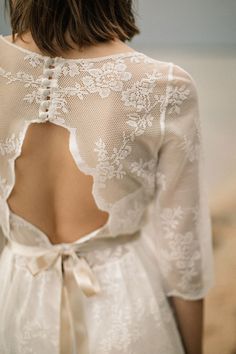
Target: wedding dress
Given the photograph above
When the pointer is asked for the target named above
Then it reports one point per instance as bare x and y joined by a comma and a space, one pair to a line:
134, 126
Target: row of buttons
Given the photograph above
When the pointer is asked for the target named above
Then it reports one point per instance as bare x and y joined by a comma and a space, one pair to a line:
47, 84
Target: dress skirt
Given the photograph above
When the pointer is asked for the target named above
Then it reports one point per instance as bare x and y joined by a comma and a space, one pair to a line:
106, 297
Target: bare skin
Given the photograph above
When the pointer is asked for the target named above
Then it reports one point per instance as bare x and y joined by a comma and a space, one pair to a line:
189, 317
50, 191
102, 49
42, 184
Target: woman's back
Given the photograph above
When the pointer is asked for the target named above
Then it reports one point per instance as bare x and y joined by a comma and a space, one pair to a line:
62, 205
51, 190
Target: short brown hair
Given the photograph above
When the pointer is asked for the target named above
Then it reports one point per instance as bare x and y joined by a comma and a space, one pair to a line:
87, 22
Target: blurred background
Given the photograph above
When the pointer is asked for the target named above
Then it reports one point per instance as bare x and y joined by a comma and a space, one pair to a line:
200, 36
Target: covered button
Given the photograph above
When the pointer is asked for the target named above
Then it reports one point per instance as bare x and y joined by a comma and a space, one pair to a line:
43, 115
44, 104
48, 62
48, 72
46, 82
45, 92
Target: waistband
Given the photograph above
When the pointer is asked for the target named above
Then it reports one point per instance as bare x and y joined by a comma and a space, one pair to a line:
80, 248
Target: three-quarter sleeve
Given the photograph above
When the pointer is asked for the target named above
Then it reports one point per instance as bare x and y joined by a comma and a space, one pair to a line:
182, 223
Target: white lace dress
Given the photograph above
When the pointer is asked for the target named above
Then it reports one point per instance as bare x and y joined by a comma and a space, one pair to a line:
138, 135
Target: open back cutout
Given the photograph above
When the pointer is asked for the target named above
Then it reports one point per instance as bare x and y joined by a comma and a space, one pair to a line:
50, 191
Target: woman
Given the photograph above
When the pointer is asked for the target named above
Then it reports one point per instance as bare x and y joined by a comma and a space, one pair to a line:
106, 234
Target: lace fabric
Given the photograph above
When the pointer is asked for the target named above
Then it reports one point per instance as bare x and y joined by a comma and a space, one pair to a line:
134, 126
181, 218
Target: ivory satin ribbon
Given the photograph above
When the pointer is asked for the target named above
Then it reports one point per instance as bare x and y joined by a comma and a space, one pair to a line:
77, 279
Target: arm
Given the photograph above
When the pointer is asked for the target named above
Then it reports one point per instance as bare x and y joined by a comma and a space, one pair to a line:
191, 330
181, 219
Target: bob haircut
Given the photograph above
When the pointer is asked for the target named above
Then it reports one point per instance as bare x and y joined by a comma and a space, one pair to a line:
55, 23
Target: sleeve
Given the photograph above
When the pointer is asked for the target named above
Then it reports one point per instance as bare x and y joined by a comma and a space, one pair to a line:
182, 223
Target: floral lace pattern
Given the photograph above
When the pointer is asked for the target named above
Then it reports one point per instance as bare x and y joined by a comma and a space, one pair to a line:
180, 254
111, 166
176, 96
134, 127
12, 144
130, 319
109, 78
145, 170
32, 334
33, 60
192, 143
192, 149
103, 81
138, 95
20, 76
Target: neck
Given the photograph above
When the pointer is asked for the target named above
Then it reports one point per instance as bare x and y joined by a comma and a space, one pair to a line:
110, 47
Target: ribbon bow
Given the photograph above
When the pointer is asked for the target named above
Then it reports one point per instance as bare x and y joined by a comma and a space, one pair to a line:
78, 279
70, 263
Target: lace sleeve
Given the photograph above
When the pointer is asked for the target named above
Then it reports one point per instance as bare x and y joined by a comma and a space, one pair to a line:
182, 221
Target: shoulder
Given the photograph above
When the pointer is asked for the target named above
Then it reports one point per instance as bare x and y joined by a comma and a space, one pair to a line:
144, 65
174, 71
6, 50
167, 73
182, 115
182, 79
175, 85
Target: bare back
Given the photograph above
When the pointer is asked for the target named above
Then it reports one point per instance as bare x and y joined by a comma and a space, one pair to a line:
50, 191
